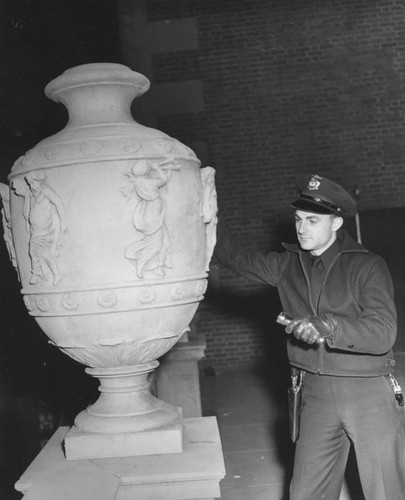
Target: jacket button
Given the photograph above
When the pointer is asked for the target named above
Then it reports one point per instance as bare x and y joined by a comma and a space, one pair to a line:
350, 346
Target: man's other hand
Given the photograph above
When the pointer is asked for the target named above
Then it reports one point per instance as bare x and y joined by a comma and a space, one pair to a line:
311, 329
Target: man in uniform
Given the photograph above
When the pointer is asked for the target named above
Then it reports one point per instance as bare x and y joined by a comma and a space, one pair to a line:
341, 300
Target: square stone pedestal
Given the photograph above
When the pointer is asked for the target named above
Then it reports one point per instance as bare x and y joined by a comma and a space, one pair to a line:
176, 380
194, 474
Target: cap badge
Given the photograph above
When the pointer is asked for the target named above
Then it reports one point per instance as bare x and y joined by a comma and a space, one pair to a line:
313, 183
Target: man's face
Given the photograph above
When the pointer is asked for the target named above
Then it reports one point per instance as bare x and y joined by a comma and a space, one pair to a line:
316, 232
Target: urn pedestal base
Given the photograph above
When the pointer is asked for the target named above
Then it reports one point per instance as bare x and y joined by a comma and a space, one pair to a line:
126, 420
81, 445
194, 474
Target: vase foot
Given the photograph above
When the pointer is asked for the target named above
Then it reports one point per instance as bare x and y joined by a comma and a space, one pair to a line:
132, 420
168, 438
125, 404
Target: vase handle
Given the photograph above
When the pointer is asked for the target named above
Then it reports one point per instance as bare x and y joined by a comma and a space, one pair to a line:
6, 219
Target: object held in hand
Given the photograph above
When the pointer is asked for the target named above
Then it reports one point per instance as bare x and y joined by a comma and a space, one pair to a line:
284, 319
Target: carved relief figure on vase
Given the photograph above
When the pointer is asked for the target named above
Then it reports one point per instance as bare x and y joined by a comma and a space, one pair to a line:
209, 210
151, 250
21, 189
6, 218
46, 222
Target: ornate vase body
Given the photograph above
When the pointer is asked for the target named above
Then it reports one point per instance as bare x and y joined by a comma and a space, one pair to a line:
111, 226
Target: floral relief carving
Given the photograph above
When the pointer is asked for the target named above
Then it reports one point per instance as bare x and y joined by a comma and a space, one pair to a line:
201, 287
123, 353
178, 292
149, 350
44, 213
119, 298
52, 153
151, 250
42, 304
130, 145
69, 302
6, 219
27, 303
209, 210
164, 146
107, 298
90, 148
146, 295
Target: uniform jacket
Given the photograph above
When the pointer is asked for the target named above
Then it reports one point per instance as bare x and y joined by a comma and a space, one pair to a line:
357, 291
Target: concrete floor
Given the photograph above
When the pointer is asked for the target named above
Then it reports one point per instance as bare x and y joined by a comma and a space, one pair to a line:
250, 405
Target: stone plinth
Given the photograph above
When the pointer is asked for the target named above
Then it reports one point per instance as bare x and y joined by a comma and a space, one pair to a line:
177, 378
194, 474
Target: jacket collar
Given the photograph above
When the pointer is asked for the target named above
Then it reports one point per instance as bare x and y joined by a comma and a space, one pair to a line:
348, 244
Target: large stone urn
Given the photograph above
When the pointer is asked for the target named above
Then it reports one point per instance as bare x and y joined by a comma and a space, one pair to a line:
111, 227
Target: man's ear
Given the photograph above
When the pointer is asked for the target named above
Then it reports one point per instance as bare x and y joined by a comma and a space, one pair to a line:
337, 223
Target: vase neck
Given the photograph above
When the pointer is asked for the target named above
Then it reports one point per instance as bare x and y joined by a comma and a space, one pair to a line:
98, 104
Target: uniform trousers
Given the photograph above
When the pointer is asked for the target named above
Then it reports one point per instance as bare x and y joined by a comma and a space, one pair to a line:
338, 411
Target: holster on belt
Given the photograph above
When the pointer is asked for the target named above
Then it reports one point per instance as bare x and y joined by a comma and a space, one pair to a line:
294, 402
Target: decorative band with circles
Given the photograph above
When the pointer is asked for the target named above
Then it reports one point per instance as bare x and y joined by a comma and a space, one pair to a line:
103, 148
116, 299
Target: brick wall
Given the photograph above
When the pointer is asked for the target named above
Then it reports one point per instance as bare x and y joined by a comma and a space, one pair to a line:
288, 87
